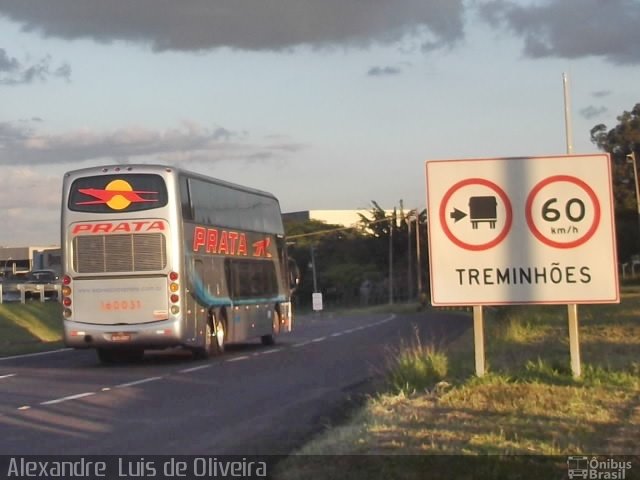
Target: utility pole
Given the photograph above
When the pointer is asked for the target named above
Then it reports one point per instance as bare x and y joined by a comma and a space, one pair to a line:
391, 260
409, 260
631, 158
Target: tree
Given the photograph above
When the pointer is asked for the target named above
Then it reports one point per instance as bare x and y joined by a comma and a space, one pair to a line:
621, 141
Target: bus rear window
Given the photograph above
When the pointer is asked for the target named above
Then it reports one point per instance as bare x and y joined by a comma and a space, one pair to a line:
113, 193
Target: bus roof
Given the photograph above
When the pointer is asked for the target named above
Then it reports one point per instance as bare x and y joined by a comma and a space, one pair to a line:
157, 168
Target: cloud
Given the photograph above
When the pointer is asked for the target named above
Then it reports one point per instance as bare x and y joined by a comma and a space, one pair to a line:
591, 112
571, 28
242, 24
383, 71
24, 145
14, 72
601, 93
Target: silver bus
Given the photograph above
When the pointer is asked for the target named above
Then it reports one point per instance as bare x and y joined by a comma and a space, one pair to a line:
157, 257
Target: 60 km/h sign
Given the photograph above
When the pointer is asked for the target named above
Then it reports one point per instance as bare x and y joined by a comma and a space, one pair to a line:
522, 230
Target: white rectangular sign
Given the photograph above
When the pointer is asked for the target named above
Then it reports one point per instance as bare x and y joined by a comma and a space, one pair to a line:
522, 230
316, 302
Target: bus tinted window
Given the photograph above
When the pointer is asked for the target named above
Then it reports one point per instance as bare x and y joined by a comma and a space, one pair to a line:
251, 278
126, 193
215, 204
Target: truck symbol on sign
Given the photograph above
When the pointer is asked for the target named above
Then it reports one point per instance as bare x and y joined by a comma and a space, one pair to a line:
483, 209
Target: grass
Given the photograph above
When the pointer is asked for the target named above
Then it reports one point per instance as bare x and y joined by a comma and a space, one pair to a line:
29, 327
528, 413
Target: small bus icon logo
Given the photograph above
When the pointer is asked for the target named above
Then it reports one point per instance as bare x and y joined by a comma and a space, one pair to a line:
578, 467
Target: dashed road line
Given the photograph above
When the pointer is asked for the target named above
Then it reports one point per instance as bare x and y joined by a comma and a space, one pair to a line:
70, 397
237, 359
9, 375
138, 382
273, 350
194, 369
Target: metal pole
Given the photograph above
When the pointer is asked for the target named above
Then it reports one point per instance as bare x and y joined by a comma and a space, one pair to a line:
572, 309
391, 260
567, 114
632, 158
409, 262
418, 261
313, 269
478, 339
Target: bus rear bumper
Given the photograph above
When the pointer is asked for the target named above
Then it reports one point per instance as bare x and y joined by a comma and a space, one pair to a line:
157, 335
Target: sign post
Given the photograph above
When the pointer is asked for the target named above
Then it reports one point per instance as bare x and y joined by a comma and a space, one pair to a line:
478, 339
531, 230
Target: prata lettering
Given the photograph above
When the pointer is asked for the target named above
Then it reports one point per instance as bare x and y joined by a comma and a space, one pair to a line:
213, 240
553, 274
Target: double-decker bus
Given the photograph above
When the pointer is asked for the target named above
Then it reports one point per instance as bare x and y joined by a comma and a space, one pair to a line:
157, 257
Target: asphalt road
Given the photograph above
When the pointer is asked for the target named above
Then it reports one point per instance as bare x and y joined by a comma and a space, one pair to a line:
251, 400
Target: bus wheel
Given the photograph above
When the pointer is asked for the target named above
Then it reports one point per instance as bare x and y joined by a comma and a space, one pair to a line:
203, 352
219, 336
275, 330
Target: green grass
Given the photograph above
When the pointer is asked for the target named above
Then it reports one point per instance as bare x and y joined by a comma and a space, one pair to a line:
527, 408
29, 327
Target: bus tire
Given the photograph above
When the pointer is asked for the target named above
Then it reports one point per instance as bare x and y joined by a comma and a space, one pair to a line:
275, 330
203, 352
219, 334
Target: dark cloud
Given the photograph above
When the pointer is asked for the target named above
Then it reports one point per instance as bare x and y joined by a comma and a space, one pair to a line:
383, 71
592, 112
572, 28
23, 145
242, 24
14, 72
601, 93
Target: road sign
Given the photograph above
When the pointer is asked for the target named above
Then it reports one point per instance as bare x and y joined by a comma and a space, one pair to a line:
522, 230
316, 301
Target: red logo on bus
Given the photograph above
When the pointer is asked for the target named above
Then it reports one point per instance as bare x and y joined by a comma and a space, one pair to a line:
118, 195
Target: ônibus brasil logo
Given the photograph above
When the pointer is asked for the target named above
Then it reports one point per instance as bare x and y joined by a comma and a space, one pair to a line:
117, 195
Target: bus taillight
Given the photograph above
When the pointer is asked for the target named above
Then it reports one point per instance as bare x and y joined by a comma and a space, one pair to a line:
66, 296
174, 287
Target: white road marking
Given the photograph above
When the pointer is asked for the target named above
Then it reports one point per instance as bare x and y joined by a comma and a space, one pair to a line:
337, 334
298, 345
70, 397
194, 369
274, 350
24, 407
39, 354
138, 382
319, 339
237, 359
9, 375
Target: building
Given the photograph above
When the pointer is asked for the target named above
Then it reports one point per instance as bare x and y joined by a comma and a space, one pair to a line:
24, 259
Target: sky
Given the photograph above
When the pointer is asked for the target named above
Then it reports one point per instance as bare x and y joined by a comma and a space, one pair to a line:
328, 104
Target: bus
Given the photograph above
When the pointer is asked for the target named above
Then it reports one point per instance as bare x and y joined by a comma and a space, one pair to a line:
157, 257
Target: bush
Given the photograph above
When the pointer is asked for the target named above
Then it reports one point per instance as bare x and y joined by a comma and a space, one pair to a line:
417, 368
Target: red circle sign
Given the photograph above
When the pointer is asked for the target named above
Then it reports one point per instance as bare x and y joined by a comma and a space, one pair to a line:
548, 241
507, 206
